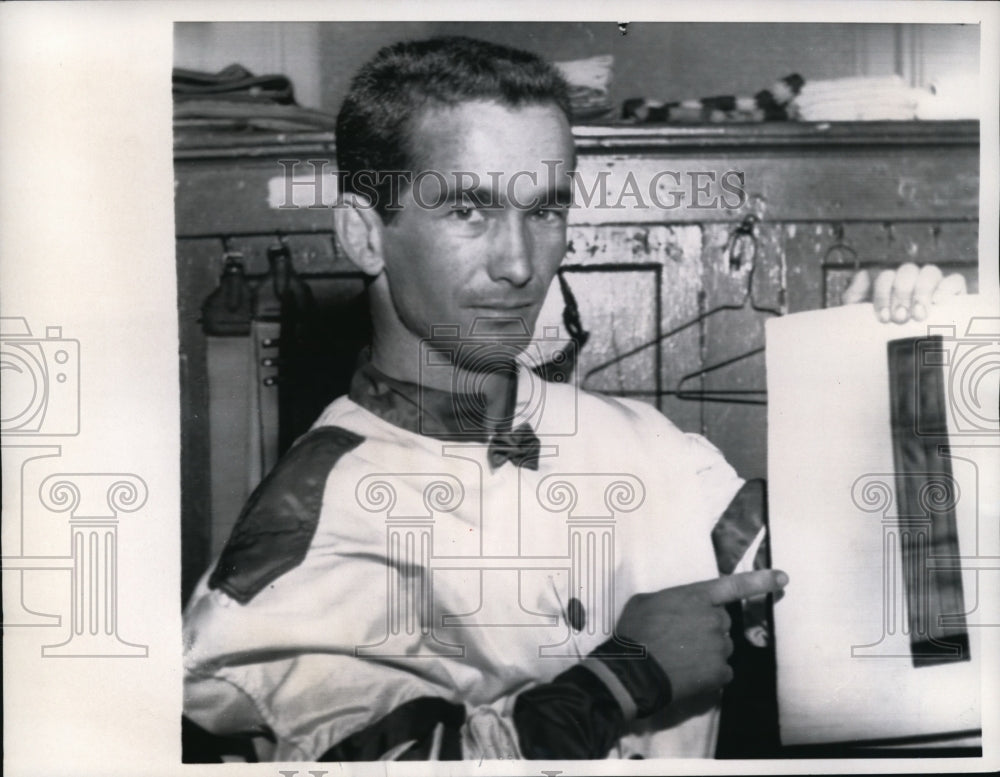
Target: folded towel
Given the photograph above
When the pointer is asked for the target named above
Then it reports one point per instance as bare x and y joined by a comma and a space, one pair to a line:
883, 98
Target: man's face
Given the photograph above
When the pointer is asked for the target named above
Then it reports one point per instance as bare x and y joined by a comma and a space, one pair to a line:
466, 252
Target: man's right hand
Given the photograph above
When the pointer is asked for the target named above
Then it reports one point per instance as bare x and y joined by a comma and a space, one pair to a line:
686, 629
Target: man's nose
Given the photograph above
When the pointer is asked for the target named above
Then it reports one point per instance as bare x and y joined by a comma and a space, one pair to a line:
512, 255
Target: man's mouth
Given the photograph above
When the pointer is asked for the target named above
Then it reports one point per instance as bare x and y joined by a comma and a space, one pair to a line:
505, 306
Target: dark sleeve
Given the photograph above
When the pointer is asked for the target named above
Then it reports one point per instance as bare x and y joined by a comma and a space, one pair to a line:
415, 723
577, 716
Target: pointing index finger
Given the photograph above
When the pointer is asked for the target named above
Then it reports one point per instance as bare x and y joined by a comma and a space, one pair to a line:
744, 585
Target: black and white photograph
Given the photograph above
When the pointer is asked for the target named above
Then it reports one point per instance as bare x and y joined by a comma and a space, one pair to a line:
545, 396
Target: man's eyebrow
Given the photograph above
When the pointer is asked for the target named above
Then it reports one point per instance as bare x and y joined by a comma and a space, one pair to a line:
482, 196
488, 197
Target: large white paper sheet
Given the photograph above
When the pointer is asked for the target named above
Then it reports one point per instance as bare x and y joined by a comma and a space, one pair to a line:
844, 656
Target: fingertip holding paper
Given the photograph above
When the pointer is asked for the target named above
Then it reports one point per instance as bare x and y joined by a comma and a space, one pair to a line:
884, 505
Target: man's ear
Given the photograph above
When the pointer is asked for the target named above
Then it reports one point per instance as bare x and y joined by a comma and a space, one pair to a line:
359, 229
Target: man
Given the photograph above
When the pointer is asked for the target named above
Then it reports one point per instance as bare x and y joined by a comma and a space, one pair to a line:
425, 574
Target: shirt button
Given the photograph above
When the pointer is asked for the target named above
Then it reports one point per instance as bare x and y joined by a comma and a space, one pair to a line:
576, 616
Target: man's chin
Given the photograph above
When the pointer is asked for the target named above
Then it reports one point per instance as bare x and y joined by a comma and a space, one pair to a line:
486, 344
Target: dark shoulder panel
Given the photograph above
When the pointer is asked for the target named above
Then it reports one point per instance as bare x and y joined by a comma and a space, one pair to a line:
277, 524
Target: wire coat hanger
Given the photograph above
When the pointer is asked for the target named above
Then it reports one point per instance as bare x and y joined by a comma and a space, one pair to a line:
741, 250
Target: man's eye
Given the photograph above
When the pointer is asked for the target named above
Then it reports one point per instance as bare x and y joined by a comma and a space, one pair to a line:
549, 214
466, 213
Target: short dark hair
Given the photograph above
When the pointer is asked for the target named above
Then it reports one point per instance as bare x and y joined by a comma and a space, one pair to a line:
388, 93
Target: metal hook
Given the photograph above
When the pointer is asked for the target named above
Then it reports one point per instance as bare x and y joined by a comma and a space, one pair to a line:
841, 247
744, 233
231, 257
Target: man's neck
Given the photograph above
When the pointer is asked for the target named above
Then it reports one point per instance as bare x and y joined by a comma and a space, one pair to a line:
493, 387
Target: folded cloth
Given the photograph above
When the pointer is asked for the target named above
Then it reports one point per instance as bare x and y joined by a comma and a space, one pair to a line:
857, 99
236, 99
234, 82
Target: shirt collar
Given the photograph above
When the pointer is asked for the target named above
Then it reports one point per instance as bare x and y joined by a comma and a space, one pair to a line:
443, 415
